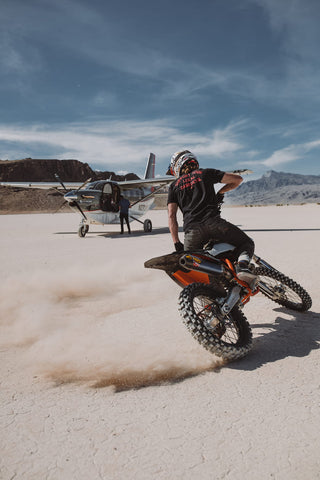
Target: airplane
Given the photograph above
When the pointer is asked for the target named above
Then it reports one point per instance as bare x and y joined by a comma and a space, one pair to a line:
98, 201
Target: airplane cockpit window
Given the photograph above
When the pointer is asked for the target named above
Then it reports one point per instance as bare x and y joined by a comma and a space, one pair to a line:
107, 188
110, 197
95, 186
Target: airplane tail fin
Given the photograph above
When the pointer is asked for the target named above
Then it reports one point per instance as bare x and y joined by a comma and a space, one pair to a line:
150, 168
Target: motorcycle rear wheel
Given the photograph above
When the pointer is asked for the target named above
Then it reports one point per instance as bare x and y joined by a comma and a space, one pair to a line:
283, 290
229, 337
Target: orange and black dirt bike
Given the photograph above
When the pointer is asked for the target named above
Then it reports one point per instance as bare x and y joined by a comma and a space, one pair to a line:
212, 296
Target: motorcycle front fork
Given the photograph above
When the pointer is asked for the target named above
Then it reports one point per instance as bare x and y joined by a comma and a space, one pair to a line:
232, 299
262, 262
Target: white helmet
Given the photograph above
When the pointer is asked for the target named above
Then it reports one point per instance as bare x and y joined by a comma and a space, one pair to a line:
180, 159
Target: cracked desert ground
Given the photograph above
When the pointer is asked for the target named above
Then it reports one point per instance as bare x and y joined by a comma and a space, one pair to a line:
101, 380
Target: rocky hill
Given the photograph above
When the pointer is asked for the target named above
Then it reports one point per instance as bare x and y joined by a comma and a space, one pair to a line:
43, 170
277, 188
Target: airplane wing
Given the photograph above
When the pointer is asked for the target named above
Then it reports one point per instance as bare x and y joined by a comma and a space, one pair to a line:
149, 182
73, 186
169, 178
153, 182
42, 185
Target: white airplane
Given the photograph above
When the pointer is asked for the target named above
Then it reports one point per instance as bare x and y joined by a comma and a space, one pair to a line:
98, 202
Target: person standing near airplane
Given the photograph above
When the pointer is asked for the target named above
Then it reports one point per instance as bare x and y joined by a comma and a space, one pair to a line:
124, 205
193, 192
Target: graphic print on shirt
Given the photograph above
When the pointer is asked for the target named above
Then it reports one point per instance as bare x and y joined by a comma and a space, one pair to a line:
189, 181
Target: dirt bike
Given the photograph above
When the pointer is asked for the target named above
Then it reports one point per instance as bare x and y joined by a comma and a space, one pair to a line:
212, 296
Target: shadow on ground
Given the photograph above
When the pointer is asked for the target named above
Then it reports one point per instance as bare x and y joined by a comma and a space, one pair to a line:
117, 235
293, 337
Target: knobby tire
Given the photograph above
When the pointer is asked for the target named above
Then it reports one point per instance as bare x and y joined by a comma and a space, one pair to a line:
229, 337
285, 291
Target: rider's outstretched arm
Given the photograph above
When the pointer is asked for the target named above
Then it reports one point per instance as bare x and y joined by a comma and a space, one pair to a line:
231, 181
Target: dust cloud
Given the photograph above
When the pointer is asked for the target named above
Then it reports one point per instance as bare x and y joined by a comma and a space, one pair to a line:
100, 327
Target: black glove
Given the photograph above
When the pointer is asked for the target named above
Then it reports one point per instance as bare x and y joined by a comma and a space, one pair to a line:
220, 198
179, 247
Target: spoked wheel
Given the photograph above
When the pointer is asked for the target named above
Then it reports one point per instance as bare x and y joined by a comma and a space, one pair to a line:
227, 336
283, 290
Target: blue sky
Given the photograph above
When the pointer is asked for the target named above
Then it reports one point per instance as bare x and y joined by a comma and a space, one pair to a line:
107, 82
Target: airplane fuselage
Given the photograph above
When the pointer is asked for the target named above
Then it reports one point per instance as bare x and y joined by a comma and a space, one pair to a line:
100, 201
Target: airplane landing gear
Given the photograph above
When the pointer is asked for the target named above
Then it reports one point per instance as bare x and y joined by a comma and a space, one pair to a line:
147, 226
83, 230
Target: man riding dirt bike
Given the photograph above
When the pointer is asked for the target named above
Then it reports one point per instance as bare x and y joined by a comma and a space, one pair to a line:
193, 192
217, 269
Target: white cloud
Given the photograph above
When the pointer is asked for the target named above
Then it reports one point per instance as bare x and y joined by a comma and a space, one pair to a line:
312, 145
117, 143
288, 154
285, 155
221, 142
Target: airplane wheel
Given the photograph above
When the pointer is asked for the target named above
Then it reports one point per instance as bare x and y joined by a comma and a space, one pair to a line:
147, 226
83, 229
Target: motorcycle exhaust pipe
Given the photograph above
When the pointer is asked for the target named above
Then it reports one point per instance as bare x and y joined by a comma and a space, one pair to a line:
192, 262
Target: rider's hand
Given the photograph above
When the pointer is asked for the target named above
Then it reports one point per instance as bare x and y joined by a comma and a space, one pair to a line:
178, 246
220, 198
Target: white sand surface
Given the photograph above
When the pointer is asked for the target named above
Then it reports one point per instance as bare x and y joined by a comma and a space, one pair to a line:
101, 380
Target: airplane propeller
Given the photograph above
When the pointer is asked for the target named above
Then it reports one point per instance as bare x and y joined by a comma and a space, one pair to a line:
61, 206
76, 204
84, 183
60, 181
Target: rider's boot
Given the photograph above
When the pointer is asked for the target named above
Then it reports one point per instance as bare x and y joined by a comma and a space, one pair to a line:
245, 275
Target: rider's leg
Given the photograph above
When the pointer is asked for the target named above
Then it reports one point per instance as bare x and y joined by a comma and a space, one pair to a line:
195, 237
224, 231
244, 252
219, 229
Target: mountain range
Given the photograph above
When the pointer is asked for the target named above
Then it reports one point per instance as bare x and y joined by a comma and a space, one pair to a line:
276, 188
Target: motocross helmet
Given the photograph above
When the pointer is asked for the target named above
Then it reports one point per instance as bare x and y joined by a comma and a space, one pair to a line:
182, 162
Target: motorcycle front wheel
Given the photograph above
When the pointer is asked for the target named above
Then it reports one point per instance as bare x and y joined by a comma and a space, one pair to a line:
227, 336
283, 290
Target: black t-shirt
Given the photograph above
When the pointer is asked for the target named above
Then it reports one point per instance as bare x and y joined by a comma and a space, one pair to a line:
195, 195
